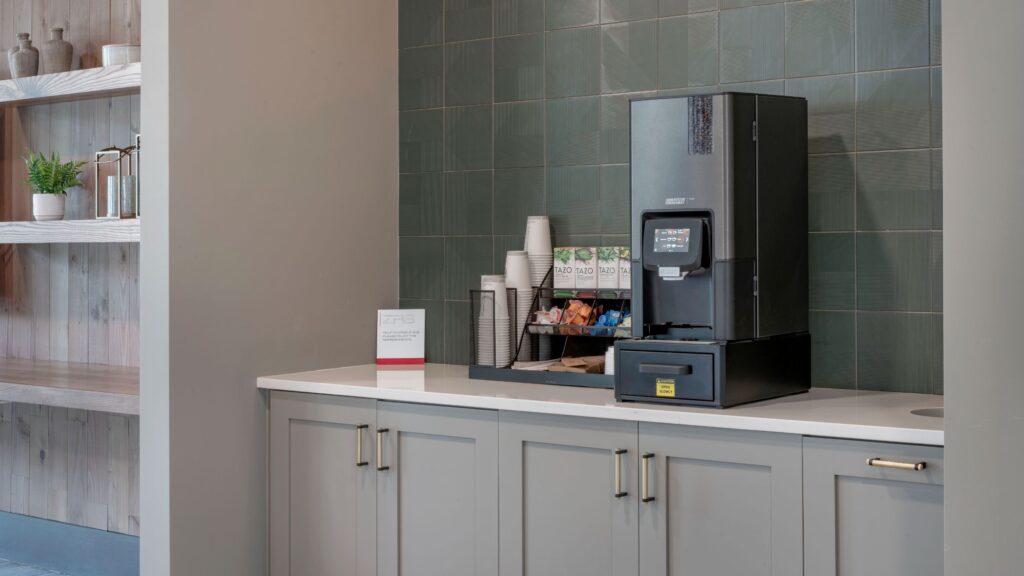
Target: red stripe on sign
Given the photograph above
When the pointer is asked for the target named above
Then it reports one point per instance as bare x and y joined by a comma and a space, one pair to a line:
397, 361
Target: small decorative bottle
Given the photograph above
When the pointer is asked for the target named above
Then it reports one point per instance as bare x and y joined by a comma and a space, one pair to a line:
56, 53
24, 60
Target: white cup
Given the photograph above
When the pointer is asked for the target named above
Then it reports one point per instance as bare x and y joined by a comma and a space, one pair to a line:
499, 299
538, 235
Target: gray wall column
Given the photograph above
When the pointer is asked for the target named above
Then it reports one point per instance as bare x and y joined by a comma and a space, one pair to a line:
270, 238
983, 89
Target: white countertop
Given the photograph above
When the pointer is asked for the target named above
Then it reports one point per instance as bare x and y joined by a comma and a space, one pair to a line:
881, 416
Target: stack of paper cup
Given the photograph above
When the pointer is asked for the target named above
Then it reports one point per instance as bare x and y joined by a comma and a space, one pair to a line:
517, 276
538, 248
492, 340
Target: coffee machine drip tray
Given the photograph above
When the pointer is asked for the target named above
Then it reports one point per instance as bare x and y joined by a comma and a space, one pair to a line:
711, 373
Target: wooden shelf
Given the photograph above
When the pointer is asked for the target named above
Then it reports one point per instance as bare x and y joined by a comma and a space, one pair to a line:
69, 385
70, 231
77, 84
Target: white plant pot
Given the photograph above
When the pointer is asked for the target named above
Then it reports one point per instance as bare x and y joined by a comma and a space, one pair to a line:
48, 206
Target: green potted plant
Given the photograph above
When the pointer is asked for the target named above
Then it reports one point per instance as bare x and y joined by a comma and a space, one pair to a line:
50, 180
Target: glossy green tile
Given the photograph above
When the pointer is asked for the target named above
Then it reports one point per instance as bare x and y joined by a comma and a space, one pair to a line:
831, 269
456, 332
568, 13
688, 51
819, 38
614, 240
518, 17
752, 44
830, 191
615, 199
467, 138
502, 244
895, 271
833, 349
894, 191
468, 203
420, 22
830, 111
896, 352
421, 78
936, 355
434, 335
573, 131
468, 73
892, 34
519, 68
421, 271
466, 259
420, 204
893, 110
577, 239
518, 193
678, 7
936, 107
937, 189
421, 140
467, 19
615, 127
625, 10
936, 271
728, 4
572, 65
777, 87
519, 134
573, 194
935, 40
629, 57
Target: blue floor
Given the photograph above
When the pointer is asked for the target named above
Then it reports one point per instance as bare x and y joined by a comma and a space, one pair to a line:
8, 568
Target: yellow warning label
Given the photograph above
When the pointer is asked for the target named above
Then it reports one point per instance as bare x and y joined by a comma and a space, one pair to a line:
665, 388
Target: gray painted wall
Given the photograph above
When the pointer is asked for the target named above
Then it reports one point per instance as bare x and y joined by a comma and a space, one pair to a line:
519, 107
270, 240
984, 203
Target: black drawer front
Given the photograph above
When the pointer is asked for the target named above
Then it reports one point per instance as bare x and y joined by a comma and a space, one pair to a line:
666, 375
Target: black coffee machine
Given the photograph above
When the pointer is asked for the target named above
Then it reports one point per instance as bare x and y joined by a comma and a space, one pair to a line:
719, 245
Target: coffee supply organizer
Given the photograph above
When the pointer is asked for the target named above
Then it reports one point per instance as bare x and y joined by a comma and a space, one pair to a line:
500, 350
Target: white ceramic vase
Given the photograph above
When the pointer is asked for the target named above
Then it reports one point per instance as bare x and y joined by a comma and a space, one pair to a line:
48, 206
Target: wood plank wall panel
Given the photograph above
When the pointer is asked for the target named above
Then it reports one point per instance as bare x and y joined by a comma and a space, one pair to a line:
74, 302
75, 466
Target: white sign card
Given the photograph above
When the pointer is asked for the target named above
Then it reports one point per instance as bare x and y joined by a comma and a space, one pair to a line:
400, 336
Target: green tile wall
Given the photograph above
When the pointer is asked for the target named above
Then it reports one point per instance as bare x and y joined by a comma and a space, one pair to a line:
516, 107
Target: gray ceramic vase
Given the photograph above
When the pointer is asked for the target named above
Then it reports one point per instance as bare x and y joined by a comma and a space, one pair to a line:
23, 59
56, 53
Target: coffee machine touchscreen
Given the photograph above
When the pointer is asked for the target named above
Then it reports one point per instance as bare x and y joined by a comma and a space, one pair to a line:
672, 240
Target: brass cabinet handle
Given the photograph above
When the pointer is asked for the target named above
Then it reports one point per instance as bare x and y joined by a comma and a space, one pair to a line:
645, 475
880, 463
619, 492
380, 450
359, 445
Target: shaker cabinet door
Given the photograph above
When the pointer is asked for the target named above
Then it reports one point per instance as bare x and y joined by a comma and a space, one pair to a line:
322, 486
437, 492
568, 500
877, 519
719, 502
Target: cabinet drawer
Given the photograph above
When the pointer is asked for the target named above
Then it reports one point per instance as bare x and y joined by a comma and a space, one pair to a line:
668, 375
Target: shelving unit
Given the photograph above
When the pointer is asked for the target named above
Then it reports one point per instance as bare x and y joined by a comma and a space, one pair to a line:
86, 83
70, 385
70, 231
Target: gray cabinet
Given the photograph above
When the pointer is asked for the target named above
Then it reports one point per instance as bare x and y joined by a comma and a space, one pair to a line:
568, 501
883, 519
719, 502
437, 491
323, 498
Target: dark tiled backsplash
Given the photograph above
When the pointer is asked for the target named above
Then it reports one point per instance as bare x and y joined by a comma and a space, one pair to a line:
518, 107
